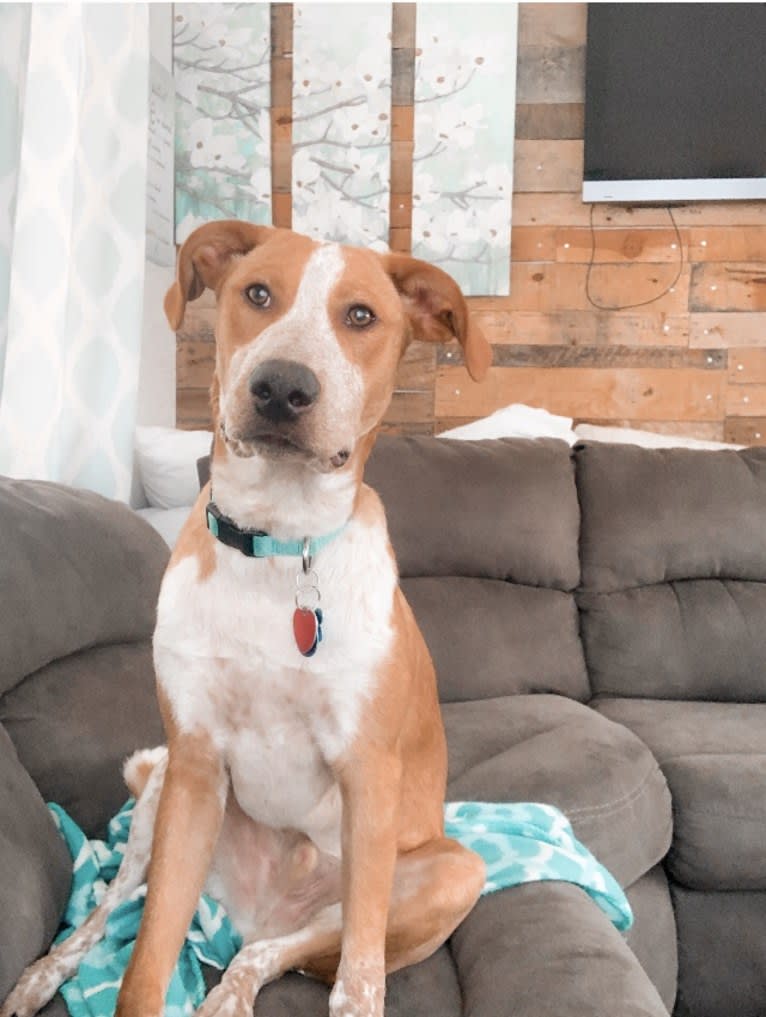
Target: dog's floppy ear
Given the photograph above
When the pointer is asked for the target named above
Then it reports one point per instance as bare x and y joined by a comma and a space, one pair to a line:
437, 309
204, 258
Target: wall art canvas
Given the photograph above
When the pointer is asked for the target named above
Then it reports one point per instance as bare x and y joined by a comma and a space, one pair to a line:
341, 122
222, 68
465, 85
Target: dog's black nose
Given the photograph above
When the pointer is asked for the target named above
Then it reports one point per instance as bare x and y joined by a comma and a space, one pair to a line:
283, 390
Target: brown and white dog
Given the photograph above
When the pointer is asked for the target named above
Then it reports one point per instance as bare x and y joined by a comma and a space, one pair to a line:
305, 793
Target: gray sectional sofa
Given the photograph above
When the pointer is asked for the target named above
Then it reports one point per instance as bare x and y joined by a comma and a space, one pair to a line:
598, 621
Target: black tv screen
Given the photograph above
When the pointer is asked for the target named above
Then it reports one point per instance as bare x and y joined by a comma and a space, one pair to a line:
675, 102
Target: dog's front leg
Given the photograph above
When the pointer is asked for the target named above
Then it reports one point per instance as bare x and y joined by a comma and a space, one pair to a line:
185, 833
370, 790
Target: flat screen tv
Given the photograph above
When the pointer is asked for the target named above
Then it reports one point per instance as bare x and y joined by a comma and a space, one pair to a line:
675, 102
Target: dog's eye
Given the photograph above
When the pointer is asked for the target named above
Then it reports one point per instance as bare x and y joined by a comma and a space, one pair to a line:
259, 295
360, 316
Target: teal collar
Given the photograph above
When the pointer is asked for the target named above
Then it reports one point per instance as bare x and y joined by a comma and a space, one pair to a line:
257, 544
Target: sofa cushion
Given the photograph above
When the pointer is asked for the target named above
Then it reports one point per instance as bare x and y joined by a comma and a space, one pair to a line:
658, 515
721, 970
698, 639
76, 720
35, 870
499, 509
489, 638
78, 570
550, 749
714, 758
652, 937
545, 950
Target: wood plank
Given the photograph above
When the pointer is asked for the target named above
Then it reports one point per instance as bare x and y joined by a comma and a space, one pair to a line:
541, 286
747, 366
193, 409
620, 246
722, 243
746, 401
520, 355
550, 121
584, 392
550, 73
555, 209
282, 209
533, 243
721, 213
411, 408
401, 210
548, 166
588, 328
728, 287
281, 54
550, 24
745, 430
417, 369
195, 363
199, 321
746, 328
400, 239
403, 23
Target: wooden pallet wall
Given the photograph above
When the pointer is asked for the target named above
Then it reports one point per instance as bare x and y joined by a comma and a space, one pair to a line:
692, 361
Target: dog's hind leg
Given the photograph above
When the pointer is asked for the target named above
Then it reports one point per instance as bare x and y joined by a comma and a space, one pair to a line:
144, 773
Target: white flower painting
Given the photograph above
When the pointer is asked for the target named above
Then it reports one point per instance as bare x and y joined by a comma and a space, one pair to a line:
221, 57
341, 122
465, 85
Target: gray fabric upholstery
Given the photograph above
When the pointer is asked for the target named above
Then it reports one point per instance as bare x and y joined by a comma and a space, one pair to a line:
551, 749
659, 515
509, 639
78, 570
545, 950
653, 935
35, 869
694, 639
714, 758
721, 955
497, 509
75, 722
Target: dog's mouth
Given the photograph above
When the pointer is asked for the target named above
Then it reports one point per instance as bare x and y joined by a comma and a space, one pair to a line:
276, 445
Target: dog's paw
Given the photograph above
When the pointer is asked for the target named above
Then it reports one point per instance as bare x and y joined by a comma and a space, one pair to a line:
357, 998
34, 989
225, 1001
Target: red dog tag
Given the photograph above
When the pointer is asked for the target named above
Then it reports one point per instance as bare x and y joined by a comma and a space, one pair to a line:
306, 630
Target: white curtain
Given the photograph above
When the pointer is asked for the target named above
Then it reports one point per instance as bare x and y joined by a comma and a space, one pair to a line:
74, 82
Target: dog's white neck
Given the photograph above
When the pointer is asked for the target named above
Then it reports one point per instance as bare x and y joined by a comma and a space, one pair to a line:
287, 499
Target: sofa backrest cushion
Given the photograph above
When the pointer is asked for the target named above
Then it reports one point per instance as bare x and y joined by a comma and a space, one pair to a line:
673, 553
78, 570
35, 870
485, 534
502, 508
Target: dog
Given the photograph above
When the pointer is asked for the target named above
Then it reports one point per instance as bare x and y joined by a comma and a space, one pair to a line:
303, 780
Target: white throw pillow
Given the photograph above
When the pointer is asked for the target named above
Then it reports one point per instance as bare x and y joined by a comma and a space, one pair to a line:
167, 464
516, 421
647, 439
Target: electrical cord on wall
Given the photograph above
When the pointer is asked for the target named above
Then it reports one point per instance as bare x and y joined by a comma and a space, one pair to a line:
642, 303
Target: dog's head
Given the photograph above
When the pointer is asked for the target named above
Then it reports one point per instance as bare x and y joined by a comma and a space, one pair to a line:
309, 335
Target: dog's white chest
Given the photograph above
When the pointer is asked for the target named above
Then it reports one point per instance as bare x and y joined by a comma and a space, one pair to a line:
226, 658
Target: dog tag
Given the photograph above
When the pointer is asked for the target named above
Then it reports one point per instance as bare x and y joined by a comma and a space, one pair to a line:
307, 629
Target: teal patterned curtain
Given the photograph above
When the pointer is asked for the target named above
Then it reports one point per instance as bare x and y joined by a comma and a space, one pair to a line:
74, 85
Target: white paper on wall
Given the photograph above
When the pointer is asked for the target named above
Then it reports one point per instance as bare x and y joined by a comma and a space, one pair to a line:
222, 68
465, 99
341, 122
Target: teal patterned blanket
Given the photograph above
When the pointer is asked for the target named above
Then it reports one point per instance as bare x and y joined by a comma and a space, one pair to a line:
520, 843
